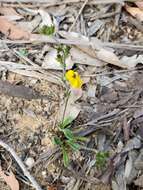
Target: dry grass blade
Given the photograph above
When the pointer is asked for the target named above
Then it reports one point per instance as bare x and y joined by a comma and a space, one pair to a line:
135, 12
56, 2
42, 39
140, 4
78, 15
31, 71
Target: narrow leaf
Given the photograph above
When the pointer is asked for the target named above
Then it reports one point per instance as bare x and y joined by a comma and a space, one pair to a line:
81, 138
68, 134
65, 157
73, 145
67, 121
57, 141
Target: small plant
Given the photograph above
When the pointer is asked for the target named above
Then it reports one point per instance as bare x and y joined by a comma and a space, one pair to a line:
23, 52
66, 139
63, 52
101, 159
47, 30
71, 76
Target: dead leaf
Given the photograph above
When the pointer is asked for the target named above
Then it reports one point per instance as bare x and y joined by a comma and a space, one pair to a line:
96, 52
132, 61
109, 57
139, 4
10, 13
138, 112
52, 188
50, 61
128, 167
72, 111
29, 71
47, 19
126, 129
130, 172
133, 143
73, 36
31, 25
10, 180
79, 56
12, 31
95, 26
135, 12
139, 181
75, 95
72, 108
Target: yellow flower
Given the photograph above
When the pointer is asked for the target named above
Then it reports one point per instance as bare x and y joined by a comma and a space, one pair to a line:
74, 79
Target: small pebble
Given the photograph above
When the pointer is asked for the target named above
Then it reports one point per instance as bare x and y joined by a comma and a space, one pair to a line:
65, 180
44, 173
29, 162
65, 26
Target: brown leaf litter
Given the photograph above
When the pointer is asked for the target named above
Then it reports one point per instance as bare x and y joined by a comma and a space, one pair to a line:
10, 179
12, 31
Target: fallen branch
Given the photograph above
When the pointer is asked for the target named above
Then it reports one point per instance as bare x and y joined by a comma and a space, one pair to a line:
31, 71
80, 11
45, 39
21, 165
57, 2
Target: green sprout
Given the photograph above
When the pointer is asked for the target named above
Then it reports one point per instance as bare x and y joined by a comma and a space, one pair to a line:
47, 30
63, 52
23, 52
101, 159
67, 140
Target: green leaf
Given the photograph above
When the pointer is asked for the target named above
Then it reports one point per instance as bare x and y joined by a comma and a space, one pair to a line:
57, 141
63, 51
68, 134
65, 157
101, 159
23, 52
73, 145
59, 48
78, 138
47, 30
67, 121
66, 51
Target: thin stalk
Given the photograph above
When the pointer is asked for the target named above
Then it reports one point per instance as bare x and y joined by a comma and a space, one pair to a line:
66, 103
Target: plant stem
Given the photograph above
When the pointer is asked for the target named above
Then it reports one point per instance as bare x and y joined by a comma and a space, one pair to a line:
66, 103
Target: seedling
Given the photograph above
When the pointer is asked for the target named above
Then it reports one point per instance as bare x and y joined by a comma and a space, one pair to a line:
47, 30
65, 137
23, 52
67, 140
101, 159
63, 52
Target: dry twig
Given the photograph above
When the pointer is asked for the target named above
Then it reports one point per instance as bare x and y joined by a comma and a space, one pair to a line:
80, 11
44, 39
57, 2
